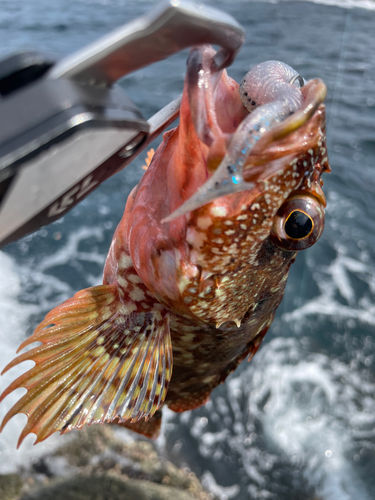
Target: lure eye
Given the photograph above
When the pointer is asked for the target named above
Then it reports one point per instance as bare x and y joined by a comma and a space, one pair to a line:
299, 223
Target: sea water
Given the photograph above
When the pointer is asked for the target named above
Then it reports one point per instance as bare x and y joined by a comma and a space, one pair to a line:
299, 420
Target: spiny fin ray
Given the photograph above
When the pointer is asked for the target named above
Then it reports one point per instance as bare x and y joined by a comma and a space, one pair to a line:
95, 364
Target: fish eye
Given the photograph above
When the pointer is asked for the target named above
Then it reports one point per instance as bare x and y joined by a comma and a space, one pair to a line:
298, 223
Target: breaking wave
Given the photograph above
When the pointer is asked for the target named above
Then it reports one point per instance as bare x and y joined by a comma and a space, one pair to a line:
346, 4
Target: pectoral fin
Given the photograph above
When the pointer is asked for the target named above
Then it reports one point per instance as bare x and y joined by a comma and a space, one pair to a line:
101, 359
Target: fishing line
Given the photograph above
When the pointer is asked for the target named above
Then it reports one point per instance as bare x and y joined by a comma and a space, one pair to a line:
331, 114
341, 64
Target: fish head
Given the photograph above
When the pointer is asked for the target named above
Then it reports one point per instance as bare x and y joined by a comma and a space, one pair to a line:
217, 219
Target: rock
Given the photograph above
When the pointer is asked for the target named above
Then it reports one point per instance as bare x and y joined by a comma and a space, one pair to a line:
96, 450
97, 465
106, 488
10, 486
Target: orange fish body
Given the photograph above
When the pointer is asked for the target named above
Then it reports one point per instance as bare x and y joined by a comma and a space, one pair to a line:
186, 297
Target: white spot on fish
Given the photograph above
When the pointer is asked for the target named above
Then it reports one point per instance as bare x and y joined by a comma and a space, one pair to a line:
195, 238
134, 278
218, 211
122, 282
137, 295
128, 308
204, 222
125, 262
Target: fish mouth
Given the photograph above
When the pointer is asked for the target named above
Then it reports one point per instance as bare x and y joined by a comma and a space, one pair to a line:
243, 145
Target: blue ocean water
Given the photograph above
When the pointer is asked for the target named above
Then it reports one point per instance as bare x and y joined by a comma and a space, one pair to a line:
299, 420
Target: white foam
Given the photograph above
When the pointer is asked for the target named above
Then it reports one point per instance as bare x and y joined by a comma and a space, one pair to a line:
335, 281
345, 4
13, 319
70, 249
306, 412
314, 412
222, 492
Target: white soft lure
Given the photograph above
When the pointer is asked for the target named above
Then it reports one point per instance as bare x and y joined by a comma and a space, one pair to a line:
271, 93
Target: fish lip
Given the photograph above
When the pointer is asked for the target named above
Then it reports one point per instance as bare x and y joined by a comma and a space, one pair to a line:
290, 147
292, 130
292, 139
294, 136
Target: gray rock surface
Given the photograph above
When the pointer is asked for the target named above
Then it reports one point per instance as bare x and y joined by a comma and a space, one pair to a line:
97, 465
10, 486
107, 488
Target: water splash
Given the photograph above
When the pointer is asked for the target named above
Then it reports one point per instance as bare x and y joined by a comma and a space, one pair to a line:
27, 292
292, 424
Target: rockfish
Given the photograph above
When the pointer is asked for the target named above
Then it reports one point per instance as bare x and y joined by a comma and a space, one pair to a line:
199, 262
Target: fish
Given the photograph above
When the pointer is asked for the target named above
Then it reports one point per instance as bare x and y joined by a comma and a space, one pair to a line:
199, 262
